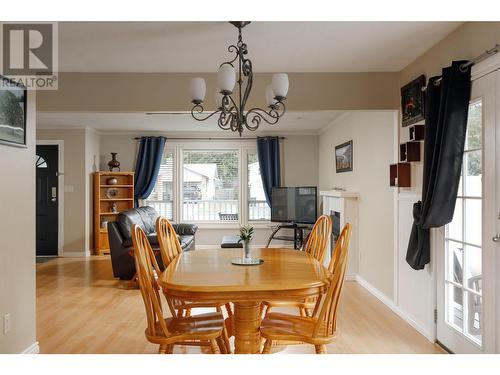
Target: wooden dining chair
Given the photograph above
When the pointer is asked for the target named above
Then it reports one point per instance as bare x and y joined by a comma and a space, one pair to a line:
319, 238
199, 330
316, 247
171, 248
169, 243
319, 329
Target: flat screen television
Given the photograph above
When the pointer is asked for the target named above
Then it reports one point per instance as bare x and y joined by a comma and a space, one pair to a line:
294, 204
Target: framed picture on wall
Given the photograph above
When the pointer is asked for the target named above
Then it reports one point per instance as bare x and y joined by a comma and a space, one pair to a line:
413, 101
12, 113
343, 157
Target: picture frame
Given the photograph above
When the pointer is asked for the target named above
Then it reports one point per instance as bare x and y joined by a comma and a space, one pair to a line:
13, 104
413, 101
344, 157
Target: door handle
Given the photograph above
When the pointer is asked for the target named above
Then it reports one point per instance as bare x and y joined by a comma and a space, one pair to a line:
54, 194
496, 238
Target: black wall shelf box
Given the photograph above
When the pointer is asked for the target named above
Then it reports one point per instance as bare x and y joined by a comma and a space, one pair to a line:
417, 132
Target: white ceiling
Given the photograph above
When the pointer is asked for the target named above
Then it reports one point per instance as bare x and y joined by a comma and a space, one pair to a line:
273, 46
292, 122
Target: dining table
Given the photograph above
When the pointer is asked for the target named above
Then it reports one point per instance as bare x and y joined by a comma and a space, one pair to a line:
209, 275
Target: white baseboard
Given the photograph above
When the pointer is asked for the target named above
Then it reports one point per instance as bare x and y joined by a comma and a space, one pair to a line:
76, 254
32, 349
429, 335
350, 277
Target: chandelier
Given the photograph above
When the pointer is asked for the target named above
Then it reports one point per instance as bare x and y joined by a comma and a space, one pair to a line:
231, 108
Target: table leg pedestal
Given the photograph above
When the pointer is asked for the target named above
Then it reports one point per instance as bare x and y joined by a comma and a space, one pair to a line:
247, 327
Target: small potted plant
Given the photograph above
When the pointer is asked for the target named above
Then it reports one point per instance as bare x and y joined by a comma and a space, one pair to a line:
246, 233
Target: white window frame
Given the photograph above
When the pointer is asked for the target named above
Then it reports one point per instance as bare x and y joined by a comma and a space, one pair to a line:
463, 195
243, 148
255, 223
173, 150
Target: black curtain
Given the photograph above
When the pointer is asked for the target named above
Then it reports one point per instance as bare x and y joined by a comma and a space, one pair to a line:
447, 106
268, 149
147, 166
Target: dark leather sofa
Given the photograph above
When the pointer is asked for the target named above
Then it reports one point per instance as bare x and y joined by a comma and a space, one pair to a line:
120, 241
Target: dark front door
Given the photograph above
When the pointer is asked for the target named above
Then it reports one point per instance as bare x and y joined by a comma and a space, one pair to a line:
47, 196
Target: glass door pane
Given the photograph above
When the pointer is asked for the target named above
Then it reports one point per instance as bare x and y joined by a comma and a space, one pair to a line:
463, 273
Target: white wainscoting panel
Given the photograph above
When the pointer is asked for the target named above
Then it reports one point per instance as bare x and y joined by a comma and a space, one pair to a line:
416, 290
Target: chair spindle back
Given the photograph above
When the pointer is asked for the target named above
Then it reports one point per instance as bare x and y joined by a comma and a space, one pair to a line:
167, 238
318, 239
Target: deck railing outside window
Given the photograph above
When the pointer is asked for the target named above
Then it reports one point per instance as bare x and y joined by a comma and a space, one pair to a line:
213, 210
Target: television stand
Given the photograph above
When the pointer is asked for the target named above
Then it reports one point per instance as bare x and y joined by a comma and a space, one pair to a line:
298, 234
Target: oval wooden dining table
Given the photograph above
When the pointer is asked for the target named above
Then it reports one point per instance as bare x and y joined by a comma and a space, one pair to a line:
208, 275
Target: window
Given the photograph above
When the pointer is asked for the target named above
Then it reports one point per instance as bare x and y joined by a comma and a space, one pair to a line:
210, 185
258, 209
162, 197
40, 162
463, 276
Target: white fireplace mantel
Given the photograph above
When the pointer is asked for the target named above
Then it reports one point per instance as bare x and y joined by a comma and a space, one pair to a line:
339, 194
346, 203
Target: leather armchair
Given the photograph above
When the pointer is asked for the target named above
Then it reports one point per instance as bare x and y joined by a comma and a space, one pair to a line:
120, 241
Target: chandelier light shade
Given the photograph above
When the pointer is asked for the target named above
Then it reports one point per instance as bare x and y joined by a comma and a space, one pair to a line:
231, 108
280, 85
198, 89
226, 79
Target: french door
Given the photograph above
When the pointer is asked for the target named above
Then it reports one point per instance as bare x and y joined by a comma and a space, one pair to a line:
467, 249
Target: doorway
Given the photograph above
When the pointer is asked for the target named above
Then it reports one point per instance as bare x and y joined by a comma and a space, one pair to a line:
466, 258
48, 204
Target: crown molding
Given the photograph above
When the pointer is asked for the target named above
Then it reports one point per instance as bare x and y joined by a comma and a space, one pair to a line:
486, 66
332, 124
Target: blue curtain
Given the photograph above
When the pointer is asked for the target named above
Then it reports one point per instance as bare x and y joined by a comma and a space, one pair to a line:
147, 166
268, 149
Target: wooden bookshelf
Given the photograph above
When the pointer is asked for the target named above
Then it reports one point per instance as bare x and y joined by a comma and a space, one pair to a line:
123, 199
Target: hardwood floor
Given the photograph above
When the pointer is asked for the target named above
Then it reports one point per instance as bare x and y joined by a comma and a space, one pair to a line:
82, 309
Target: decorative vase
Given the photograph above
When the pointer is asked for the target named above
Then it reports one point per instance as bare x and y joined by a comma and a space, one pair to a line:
113, 163
246, 247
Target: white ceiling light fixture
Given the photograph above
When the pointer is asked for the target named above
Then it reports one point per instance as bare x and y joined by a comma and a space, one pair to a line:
230, 107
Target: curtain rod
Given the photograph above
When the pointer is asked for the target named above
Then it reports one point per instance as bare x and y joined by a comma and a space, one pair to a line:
209, 139
475, 60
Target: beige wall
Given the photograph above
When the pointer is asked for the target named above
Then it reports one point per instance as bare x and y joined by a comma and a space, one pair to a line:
372, 134
140, 92
468, 41
300, 158
92, 160
124, 145
17, 239
74, 186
